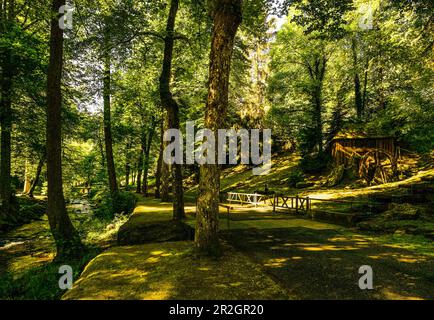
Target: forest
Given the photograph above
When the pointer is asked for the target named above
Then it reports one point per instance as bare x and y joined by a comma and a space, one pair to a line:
92, 91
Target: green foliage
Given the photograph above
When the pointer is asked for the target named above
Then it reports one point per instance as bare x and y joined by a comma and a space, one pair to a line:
376, 79
33, 211
108, 205
316, 163
40, 283
295, 177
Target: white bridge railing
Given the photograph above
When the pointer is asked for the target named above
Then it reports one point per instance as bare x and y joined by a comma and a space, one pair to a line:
246, 198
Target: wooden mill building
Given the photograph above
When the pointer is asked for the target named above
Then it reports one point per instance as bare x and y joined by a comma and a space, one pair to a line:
345, 148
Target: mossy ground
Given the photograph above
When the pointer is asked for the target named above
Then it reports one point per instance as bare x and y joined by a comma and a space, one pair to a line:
27, 270
305, 259
172, 271
267, 255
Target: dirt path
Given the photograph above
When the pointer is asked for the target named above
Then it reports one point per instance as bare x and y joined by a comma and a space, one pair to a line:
323, 264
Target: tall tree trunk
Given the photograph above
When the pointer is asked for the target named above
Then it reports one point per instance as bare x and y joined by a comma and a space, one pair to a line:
159, 162
165, 182
317, 73
101, 146
67, 240
358, 100
127, 166
134, 176
147, 152
176, 172
226, 16
139, 170
111, 171
127, 175
6, 129
172, 108
38, 175
365, 84
318, 119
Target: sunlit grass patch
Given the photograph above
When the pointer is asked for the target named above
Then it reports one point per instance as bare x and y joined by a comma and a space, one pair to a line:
172, 271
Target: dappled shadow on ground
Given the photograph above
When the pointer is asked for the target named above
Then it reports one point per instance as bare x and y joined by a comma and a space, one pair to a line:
324, 264
26, 247
171, 271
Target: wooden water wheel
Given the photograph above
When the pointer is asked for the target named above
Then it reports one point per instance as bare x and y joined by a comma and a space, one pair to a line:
378, 167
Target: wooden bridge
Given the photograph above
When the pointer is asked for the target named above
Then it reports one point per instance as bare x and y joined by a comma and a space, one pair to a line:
294, 203
297, 204
247, 198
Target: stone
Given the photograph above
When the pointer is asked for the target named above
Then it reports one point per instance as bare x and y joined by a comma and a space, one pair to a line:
404, 211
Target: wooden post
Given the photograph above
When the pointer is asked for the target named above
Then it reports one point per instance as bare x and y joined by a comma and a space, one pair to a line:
274, 203
296, 204
229, 210
307, 205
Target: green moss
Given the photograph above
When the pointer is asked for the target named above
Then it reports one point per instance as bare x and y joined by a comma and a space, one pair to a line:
172, 271
38, 283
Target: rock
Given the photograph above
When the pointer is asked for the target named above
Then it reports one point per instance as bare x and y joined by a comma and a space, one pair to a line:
336, 176
302, 185
402, 211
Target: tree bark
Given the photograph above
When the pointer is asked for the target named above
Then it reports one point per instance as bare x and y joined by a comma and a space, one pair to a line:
159, 162
172, 110
358, 100
365, 84
111, 170
134, 176
226, 16
67, 240
37, 176
139, 170
127, 175
6, 130
317, 71
147, 151
127, 166
165, 182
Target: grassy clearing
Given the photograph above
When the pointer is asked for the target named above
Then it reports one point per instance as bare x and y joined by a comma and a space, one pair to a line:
172, 271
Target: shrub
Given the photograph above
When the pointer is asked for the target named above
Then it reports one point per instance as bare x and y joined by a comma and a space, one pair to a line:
32, 212
314, 164
124, 202
108, 205
40, 283
295, 177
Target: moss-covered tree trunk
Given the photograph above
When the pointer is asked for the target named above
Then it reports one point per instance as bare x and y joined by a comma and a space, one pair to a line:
67, 240
226, 16
172, 110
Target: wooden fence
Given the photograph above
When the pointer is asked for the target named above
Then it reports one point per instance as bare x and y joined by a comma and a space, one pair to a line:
297, 204
246, 198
